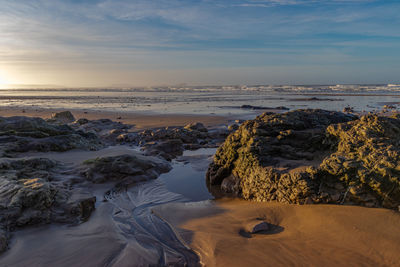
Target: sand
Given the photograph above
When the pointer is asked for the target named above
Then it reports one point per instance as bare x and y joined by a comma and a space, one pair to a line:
309, 235
140, 120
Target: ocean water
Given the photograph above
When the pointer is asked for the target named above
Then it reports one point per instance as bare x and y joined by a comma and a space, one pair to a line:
220, 100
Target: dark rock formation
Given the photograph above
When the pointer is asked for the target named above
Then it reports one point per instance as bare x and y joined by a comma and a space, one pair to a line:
168, 149
107, 130
316, 99
125, 169
259, 107
348, 109
39, 190
312, 156
32, 192
170, 142
196, 127
22, 134
63, 117
3, 240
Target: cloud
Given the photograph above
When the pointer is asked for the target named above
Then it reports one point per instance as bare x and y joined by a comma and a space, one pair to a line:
173, 34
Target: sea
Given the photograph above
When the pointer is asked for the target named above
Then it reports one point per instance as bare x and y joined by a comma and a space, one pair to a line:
217, 100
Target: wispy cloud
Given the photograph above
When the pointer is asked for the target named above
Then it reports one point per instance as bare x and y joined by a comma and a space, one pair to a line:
176, 34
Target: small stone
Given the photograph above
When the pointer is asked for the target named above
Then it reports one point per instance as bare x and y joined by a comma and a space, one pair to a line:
348, 110
263, 226
198, 126
63, 117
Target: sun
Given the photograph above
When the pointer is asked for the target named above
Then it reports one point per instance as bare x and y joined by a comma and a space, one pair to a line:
3, 80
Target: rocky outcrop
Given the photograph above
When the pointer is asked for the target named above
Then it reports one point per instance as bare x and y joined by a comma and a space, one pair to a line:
312, 156
196, 126
62, 117
22, 134
40, 191
169, 142
126, 169
168, 149
32, 192
264, 108
106, 129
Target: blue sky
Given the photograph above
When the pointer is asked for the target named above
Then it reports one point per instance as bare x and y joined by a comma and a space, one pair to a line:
143, 42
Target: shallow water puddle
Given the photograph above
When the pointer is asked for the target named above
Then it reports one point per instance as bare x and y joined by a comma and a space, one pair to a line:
188, 173
78, 156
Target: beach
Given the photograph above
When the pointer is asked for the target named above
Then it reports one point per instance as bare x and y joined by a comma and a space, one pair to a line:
199, 133
138, 119
168, 214
309, 235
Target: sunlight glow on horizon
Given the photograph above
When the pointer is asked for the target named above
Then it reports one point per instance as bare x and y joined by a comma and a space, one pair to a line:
3, 81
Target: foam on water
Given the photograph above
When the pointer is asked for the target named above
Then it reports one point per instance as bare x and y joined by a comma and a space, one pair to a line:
222, 100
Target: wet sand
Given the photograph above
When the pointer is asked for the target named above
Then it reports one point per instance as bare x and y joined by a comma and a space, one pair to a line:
140, 120
122, 231
310, 235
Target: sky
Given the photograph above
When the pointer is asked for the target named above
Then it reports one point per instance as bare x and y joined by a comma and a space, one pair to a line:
78, 43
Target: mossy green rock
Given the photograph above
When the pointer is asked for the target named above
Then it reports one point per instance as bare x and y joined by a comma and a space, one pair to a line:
312, 156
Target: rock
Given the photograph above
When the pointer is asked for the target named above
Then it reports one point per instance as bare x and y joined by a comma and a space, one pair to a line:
3, 240
40, 191
196, 127
312, 156
63, 117
300, 155
81, 121
169, 142
107, 130
127, 138
37, 191
348, 110
316, 99
260, 227
22, 134
389, 107
230, 184
81, 205
233, 127
126, 169
259, 107
168, 149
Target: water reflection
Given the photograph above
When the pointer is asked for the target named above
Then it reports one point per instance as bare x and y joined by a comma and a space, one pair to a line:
188, 174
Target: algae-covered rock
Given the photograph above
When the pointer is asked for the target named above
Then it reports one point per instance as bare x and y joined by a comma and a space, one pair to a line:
312, 156
366, 160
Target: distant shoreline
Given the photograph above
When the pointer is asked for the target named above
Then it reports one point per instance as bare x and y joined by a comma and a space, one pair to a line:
140, 120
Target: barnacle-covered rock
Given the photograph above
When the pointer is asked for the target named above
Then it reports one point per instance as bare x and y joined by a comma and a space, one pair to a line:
312, 156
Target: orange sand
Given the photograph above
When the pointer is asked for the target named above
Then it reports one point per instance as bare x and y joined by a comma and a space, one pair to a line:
313, 235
